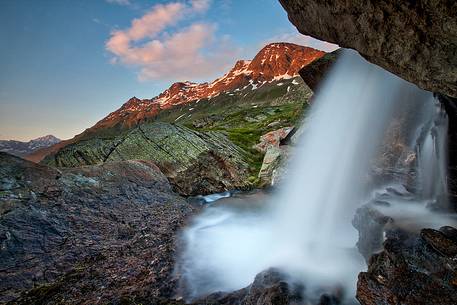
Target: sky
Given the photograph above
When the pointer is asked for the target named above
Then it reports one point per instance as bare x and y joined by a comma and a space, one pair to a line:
66, 64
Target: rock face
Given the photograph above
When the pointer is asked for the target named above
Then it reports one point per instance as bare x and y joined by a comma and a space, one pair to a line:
416, 40
96, 234
194, 162
371, 224
271, 163
21, 149
315, 72
274, 154
412, 270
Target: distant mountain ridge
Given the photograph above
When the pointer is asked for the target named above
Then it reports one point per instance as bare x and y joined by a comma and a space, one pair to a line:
275, 61
21, 149
273, 65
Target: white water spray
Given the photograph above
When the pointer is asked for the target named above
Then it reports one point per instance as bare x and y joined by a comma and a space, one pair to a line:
306, 227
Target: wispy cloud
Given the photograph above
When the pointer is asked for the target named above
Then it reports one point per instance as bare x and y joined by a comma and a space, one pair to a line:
187, 52
119, 2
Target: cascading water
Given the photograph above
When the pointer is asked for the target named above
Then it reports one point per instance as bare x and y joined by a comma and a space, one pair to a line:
306, 229
431, 153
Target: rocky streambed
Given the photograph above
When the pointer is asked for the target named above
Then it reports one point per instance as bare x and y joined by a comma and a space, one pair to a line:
405, 264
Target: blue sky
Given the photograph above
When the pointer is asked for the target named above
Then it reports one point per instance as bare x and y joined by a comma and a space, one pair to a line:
67, 63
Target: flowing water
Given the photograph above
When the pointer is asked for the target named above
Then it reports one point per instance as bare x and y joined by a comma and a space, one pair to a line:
305, 228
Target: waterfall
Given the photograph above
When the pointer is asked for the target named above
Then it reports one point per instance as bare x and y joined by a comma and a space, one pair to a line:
431, 151
305, 228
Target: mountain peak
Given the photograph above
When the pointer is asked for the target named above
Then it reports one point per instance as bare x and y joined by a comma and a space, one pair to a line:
21, 149
275, 61
47, 138
282, 60
241, 64
279, 45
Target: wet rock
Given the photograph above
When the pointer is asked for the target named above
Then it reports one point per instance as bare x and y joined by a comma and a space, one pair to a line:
412, 269
271, 162
396, 161
97, 234
370, 224
273, 167
413, 39
270, 287
440, 242
450, 232
450, 105
315, 72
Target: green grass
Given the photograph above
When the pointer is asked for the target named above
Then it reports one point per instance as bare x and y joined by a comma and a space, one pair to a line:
246, 119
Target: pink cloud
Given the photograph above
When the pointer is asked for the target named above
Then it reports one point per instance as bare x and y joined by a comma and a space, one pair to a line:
190, 52
156, 20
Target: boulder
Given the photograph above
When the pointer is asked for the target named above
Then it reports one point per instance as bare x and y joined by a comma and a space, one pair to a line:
272, 165
370, 224
194, 162
413, 269
272, 139
271, 162
271, 287
416, 40
96, 234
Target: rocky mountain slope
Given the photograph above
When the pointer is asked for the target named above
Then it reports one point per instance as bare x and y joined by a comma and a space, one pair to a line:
202, 136
22, 149
275, 61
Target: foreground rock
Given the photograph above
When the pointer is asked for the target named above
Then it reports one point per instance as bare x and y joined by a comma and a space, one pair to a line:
97, 234
412, 270
370, 224
194, 162
270, 287
414, 39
